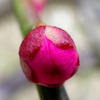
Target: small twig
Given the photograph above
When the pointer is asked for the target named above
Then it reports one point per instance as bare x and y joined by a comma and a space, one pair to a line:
58, 93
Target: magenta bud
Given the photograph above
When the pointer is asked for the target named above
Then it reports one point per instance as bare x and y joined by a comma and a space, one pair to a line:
38, 5
48, 56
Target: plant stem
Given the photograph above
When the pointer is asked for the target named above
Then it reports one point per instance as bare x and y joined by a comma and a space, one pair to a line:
47, 93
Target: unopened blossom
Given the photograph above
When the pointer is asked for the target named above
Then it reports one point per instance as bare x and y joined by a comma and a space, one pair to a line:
48, 56
38, 5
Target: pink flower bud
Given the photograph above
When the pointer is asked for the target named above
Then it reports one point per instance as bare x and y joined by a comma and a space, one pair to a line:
39, 5
48, 56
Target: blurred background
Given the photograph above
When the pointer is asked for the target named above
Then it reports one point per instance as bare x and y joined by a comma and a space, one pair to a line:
80, 18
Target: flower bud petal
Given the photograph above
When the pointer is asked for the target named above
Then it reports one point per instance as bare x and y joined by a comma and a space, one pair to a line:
48, 56
32, 43
59, 37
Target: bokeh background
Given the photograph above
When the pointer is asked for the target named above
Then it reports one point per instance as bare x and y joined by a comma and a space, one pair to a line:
81, 19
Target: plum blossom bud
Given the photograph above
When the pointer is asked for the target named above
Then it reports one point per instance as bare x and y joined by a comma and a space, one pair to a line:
38, 5
48, 56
